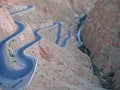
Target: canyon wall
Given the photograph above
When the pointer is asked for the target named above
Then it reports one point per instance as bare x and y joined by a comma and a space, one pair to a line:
101, 35
7, 25
9, 2
61, 10
81, 5
58, 68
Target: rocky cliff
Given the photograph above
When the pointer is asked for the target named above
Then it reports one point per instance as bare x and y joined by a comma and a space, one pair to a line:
7, 25
9, 2
61, 10
81, 5
58, 68
101, 35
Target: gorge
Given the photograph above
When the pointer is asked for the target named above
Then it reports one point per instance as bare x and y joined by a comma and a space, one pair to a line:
60, 64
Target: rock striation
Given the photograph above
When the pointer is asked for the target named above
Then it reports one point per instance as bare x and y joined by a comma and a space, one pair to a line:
9, 2
7, 25
58, 68
62, 68
84, 5
101, 35
61, 10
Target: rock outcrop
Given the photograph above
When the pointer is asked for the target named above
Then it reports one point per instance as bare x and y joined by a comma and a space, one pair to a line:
101, 35
62, 68
81, 5
61, 10
58, 68
9, 2
7, 24
7, 27
116, 80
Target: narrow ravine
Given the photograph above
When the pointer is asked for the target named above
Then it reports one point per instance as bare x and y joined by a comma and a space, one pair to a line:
81, 46
12, 79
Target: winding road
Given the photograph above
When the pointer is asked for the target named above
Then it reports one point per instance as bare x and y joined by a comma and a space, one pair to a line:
29, 7
64, 42
12, 79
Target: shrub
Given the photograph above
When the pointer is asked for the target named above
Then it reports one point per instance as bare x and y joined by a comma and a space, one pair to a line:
10, 53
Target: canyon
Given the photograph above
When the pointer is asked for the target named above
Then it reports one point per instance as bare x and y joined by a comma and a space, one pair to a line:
101, 35
66, 68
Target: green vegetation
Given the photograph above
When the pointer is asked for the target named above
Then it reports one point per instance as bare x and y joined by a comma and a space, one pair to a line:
13, 40
42, 76
106, 80
67, 88
84, 50
10, 53
8, 8
81, 21
97, 71
108, 83
1, 6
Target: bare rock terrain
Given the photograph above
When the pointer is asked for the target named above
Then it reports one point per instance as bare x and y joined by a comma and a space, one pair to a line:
7, 25
62, 68
101, 35
67, 68
10, 2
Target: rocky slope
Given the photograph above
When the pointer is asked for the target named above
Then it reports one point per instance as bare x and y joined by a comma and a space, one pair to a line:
61, 10
101, 35
9, 2
81, 5
62, 68
58, 68
7, 25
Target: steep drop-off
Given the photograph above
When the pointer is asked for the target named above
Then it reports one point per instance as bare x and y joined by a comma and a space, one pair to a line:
7, 25
101, 35
58, 68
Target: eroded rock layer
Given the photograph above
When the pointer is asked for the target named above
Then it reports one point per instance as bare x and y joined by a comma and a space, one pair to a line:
58, 68
10, 2
7, 25
101, 35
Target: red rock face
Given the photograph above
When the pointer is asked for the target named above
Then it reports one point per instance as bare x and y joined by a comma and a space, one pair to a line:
10, 2
81, 5
7, 25
101, 35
